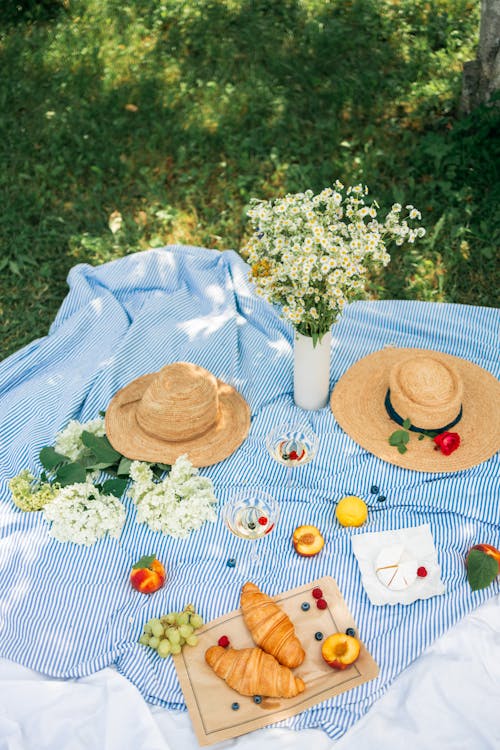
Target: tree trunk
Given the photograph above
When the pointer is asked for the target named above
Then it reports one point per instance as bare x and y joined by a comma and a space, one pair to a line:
481, 77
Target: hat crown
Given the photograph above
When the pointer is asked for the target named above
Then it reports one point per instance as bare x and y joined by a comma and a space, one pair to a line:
182, 403
426, 391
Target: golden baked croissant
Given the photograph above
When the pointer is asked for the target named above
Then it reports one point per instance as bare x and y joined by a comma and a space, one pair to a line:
250, 671
270, 627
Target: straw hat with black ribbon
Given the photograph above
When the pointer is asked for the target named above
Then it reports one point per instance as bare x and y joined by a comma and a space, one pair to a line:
433, 392
183, 408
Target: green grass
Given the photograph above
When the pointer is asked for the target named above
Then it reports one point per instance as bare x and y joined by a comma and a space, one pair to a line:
176, 113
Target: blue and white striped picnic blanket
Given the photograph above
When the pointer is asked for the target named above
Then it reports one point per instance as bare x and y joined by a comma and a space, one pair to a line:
68, 611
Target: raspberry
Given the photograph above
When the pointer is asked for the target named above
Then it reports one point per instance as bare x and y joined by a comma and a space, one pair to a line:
317, 593
422, 572
262, 520
223, 641
321, 604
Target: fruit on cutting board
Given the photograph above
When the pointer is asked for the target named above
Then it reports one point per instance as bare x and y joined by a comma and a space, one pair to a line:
147, 575
307, 541
351, 511
250, 671
340, 650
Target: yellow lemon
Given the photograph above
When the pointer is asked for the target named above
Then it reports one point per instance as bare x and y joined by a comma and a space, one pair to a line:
351, 511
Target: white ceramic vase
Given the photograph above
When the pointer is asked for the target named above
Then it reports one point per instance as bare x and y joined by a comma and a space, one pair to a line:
311, 371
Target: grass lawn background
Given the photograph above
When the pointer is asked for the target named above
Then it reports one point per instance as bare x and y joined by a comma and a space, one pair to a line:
175, 114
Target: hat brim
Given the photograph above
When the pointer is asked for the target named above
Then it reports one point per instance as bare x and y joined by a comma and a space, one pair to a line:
126, 435
357, 403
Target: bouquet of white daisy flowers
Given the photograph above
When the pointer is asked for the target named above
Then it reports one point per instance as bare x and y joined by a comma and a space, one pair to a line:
310, 255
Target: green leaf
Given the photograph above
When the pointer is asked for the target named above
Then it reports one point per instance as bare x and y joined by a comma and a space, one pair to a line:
49, 458
482, 569
399, 437
144, 562
164, 467
101, 447
402, 448
124, 467
93, 464
421, 437
114, 487
407, 424
14, 267
102, 414
71, 473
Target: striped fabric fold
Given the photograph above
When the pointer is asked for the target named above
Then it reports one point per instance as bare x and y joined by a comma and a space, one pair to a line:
68, 611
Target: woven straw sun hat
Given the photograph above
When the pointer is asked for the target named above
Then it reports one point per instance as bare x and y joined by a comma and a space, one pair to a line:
436, 392
183, 408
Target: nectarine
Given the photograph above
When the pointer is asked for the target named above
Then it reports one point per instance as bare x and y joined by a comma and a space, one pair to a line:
307, 541
340, 650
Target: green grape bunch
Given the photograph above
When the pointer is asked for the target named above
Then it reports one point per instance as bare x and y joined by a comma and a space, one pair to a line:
169, 633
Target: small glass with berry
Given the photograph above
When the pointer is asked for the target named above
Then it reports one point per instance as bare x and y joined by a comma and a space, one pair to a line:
292, 445
250, 514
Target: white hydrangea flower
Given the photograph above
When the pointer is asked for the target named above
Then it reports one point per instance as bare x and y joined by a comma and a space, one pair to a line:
176, 505
28, 493
79, 513
68, 441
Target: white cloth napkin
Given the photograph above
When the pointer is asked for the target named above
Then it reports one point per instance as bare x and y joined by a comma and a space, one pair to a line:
413, 545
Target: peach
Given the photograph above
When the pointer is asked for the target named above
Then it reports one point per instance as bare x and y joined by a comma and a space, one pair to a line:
340, 650
489, 550
307, 541
483, 565
147, 575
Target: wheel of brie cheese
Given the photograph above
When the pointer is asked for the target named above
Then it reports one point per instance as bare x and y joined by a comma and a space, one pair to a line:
395, 568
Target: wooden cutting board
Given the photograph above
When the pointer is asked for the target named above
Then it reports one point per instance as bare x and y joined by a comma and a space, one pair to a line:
209, 699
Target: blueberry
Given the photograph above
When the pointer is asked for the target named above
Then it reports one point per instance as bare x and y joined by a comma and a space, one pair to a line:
350, 631
235, 706
305, 606
318, 636
257, 699
251, 525
231, 563
381, 499
374, 490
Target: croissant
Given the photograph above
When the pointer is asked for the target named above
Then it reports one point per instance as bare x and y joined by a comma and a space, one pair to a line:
270, 627
250, 671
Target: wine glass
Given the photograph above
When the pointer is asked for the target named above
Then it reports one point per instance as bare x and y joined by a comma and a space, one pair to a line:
292, 445
250, 514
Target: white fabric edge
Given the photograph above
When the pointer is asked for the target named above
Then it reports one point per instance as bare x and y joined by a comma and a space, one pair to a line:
448, 698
